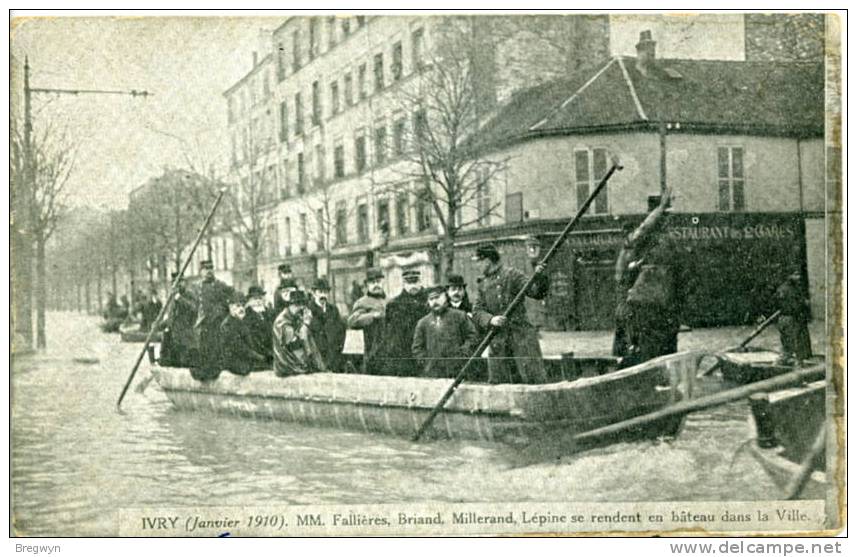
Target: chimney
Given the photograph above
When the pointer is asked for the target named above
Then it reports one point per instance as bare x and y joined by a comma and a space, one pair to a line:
256, 57
645, 52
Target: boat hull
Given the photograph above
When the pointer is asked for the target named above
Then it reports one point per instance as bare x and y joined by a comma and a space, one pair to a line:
509, 413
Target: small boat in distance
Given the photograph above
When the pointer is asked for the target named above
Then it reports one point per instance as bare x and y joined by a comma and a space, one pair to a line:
509, 413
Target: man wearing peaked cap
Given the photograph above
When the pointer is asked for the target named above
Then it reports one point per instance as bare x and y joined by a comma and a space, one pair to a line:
515, 352
214, 297
444, 338
368, 315
327, 327
178, 347
403, 313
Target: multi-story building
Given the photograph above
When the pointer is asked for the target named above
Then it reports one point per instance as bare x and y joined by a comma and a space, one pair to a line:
327, 114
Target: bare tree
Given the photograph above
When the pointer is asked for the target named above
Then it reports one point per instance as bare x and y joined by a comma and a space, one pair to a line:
52, 160
446, 103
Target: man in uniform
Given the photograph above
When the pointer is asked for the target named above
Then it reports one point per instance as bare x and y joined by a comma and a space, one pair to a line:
239, 355
456, 292
214, 297
368, 315
443, 339
287, 283
635, 247
403, 313
515, 352
259, 320
178, 347
295, 351
327, 327
793, 320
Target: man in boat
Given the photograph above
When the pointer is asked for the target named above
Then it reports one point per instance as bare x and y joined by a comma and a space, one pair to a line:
634, 248
150, 309
238, 352
259, 320
214, 296
793, 320
402, 315
178, 347
295, 351
327, 327
443, 339
287, 283
368, 315
515, 352
456, 293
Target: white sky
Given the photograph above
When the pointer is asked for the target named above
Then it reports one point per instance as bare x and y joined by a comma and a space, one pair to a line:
186, 63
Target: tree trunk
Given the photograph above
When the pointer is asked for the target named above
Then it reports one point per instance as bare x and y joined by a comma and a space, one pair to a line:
77, 297
447, 255
86, 296
98, 295
41, 293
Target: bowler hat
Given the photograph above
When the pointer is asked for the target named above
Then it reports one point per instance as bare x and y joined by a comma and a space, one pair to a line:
455, 280
297, 297
255, 292
284, 268
487, 251
320, 284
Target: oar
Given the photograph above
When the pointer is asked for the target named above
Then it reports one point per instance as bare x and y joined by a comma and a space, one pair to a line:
686, 407
169, 301
756, 332
515, 302
798, 481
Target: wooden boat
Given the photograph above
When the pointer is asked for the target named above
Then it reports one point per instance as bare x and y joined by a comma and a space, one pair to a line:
133, 333
787, 423
754, 364
510, 413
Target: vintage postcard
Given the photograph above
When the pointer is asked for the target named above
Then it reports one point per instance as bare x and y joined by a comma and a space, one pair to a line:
427, 274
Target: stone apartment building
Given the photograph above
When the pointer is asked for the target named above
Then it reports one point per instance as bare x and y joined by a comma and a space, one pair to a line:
318, 125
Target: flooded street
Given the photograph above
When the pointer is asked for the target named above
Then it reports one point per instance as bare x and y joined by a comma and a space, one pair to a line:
76, 461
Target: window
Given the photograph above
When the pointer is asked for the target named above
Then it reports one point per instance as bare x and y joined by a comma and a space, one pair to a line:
424, 210
515, 207
301, 173
383, 216
319, 163
331, 31
349, 90
420, 124
296, 50
284, 122
399, 137
313, 37
361, 81
360, 152
334, 97
316, 103
380, 144
378, 69
483, 200
730, 178
341, 223
339, 161
284, 189
346, 26
320, 226
417, 39
299, 114
362, 222
589, 167
403, 225
302, 237
287, 236
281, 62
397, 61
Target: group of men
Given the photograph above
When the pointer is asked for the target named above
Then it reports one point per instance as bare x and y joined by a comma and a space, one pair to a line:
428, 331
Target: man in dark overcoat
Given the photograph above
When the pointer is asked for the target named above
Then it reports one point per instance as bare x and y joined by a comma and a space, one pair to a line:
259, 321
515, 352
327, 326
178, 346
443, 339
214, 296
368, 315
793, 320
403, 313
238, 351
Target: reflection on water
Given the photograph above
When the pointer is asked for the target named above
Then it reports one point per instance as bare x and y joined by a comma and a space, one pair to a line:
76, 461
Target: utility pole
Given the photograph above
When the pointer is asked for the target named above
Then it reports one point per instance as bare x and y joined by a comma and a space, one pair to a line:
24, 223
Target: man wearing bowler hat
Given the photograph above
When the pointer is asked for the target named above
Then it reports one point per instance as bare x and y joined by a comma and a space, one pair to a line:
327, 327
214, 297
295, 351
259, 321
403, 313
456, 293
368, 315
515, 352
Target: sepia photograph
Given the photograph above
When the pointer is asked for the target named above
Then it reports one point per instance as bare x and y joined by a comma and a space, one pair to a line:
426, 273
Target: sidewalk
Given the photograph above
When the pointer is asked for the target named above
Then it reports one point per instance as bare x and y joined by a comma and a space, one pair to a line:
599, 343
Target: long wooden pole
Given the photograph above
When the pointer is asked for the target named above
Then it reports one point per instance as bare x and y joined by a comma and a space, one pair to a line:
799, 480
686, 407
169, 301
515, 302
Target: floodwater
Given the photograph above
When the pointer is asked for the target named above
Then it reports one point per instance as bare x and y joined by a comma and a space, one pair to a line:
76, 461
